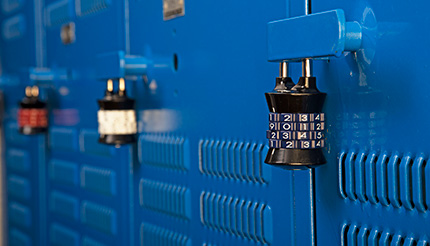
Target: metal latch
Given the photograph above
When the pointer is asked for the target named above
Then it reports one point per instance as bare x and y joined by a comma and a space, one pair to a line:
313, 36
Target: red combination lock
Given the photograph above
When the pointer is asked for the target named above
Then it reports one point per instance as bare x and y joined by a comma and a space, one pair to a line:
32, 114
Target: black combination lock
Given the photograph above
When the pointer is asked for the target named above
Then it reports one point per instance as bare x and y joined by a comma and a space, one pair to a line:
296, 124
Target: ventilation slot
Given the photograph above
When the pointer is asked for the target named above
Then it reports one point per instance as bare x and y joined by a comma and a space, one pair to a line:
9, 6
155, 235
90, 242
352, 234
164, 151
101, 218
234, 160
60, 235
239, 217
397, 180
173, 200
17, 237
98, 180
58, 13
14, 27
88, 7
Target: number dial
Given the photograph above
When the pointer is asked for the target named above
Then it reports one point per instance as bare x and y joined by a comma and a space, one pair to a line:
297, 144
296, 131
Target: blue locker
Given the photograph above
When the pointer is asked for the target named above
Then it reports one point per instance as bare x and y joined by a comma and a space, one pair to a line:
198, 71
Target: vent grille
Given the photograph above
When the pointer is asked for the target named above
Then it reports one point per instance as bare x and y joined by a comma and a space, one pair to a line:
19, 187
101, 218
58, 13
395, 179
239, 217
353, 234
234, 160
9, 6
88, 7
164, 151
64, 205
14, 27
155, 235
17, 237
98, 180
60, 235
173, 200
90, 242
19, 215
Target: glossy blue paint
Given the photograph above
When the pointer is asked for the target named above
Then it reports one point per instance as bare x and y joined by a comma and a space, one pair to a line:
196, 175
120, 65
318, 35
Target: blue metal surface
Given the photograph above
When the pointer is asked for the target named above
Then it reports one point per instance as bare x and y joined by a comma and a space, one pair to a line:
196, 175
312, 36
119, 65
